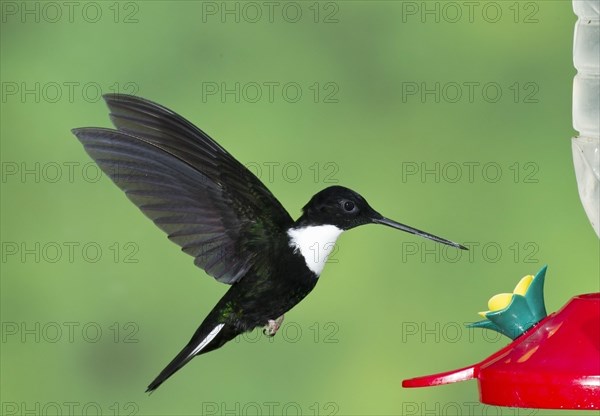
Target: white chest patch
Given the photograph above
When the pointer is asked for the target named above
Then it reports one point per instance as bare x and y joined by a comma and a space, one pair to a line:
315, 243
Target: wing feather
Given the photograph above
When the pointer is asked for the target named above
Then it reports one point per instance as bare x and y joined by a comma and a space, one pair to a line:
207, 202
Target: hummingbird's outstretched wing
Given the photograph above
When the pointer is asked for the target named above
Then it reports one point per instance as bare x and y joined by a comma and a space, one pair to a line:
205, 200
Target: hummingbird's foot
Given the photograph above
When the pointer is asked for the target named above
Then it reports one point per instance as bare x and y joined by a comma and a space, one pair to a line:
273, 326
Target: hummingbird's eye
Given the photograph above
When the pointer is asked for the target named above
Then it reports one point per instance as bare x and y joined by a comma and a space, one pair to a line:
349, 206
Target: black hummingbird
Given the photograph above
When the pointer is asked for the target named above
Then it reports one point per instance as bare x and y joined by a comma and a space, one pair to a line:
221, 214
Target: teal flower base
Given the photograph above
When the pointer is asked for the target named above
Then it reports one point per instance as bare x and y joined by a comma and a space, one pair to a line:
522, 313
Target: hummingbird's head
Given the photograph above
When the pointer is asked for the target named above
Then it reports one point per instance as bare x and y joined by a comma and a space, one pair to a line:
338, 206
346, 209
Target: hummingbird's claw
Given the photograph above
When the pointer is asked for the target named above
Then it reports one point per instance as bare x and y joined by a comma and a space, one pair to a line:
273, 326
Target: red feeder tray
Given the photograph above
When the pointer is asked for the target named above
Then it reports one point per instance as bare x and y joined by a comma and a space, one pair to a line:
555, 365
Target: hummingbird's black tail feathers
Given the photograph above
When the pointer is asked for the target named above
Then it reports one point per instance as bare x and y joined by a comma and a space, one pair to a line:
204, 340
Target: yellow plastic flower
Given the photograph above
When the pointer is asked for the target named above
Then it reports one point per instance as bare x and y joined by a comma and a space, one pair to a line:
502, 300
514, 313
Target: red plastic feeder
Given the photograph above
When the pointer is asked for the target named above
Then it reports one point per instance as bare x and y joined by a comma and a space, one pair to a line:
554, 365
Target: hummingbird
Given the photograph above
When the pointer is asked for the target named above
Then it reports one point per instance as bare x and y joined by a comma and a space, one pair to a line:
222, 215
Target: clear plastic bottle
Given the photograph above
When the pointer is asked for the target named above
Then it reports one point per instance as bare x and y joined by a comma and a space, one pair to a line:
586, 109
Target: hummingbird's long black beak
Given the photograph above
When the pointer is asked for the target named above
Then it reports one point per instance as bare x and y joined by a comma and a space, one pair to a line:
397, 225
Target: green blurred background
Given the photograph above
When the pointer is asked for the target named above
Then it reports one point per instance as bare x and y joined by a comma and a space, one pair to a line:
95, 300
